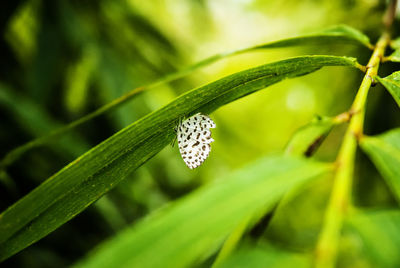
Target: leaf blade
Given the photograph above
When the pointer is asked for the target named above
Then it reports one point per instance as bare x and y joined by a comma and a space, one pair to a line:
201, 220
307, 139
384, 151
380, 235
265, 256
131, 147
395, 56
329, 36
392, 84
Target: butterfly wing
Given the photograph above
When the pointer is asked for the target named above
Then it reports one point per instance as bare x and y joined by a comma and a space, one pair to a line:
194, 138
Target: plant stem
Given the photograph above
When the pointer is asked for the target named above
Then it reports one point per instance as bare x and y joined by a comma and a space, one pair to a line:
340, 199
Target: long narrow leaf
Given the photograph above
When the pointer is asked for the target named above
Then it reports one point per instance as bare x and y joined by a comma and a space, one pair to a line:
266, 256
384, 151
392, 84
188, 229
380, 236
83, 181
326, 37
395, 56
329, 36
37, 122
307, 139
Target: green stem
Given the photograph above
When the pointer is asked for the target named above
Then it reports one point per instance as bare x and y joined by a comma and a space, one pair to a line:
340, 199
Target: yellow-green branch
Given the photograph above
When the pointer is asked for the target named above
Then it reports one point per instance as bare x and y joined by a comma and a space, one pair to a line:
340, 199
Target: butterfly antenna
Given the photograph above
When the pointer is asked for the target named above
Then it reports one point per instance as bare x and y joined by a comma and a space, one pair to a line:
173, 142
178, 122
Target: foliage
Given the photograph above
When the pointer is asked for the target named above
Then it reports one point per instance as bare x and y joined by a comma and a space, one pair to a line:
116, 195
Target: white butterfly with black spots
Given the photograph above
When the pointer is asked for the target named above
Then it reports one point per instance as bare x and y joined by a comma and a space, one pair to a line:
194, 138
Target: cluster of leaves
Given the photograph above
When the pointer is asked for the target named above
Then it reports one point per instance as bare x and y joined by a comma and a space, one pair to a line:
191, 230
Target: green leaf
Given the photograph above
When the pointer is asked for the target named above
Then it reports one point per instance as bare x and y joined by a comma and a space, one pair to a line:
307, 139
93, 174
392, 84
36, 121
395, 56
395, 44
332, 35
349, 33
384, 151
265, 256
380, 235
329, 36
190, 228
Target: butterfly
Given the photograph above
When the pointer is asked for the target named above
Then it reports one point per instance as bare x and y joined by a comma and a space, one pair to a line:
194, 139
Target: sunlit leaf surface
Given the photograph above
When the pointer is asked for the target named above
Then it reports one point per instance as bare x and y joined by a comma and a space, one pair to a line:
392, 84
384, 151
83, 181
198, 223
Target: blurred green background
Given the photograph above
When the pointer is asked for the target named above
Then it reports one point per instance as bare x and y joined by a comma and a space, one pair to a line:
62, 59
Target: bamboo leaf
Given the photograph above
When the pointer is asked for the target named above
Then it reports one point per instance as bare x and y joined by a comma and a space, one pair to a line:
187, 230
392, 84
384, 151
395, 56
330, 36
349, 33
265, 256
380, 235
231, 242
307, 139
93, 174
395, 44
37, 121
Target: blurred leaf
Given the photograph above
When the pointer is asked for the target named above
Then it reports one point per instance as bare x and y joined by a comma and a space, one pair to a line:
93, 174
182, 233
22, 30
329, 36
384, 151
350, 33
77, 80
260, 257
36, 121
380, 234
233, 239
392, 84
395, 44
307, 139
395, 56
